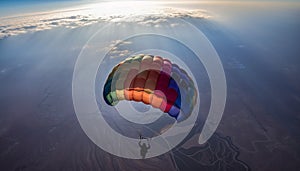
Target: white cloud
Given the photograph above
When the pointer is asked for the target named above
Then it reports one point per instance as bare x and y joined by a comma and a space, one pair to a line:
117, 48
86, 15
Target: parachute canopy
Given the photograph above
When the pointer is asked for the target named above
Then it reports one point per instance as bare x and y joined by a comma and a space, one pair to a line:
152, 80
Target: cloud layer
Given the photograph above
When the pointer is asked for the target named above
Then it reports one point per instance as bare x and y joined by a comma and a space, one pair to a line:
87, 15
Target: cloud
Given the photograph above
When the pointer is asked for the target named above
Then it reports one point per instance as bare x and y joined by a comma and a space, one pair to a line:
78, 17
117, 48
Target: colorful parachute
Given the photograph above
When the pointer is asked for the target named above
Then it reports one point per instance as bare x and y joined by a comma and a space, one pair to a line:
154, 81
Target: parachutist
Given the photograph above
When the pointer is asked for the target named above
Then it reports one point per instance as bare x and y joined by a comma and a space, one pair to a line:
144, 147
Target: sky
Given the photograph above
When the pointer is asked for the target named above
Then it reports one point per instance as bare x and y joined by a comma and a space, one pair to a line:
13, 7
